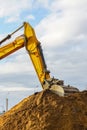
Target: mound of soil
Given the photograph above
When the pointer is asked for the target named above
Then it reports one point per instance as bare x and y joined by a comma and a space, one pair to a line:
47, 111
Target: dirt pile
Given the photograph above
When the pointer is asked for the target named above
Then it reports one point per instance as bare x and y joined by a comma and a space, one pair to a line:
47, 111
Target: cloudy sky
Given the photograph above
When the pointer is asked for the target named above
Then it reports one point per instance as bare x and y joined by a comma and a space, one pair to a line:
61, 27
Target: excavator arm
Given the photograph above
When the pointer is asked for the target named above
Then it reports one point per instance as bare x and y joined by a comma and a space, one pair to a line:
33, 47
10, 48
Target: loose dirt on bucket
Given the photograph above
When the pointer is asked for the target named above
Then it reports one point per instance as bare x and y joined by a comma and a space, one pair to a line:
47, 111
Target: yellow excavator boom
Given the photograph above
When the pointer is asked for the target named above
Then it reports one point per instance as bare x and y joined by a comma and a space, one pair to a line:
34, 49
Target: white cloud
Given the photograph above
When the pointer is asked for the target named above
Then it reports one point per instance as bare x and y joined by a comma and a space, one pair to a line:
12, 19
19, 64
67, 5
12, 9
41, 3
59, 28
16, 88
30, 17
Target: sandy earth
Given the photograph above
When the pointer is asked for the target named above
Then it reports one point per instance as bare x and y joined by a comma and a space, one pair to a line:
47, 111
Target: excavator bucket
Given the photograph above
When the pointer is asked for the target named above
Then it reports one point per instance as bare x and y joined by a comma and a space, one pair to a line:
57, 89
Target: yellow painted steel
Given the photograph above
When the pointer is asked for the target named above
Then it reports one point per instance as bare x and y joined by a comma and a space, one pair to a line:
35, 52
33, 47
8, 49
